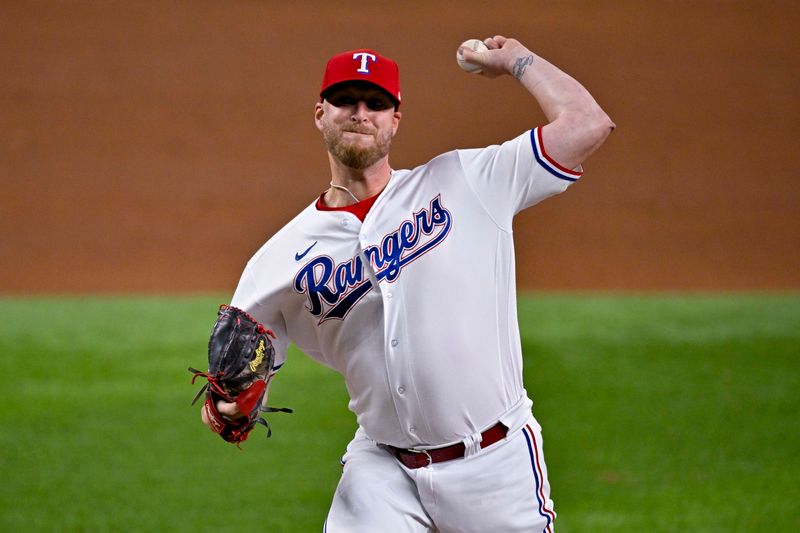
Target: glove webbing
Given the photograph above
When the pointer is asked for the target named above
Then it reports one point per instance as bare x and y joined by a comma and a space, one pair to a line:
213, 383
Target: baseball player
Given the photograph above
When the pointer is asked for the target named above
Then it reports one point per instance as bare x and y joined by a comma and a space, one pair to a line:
403, 281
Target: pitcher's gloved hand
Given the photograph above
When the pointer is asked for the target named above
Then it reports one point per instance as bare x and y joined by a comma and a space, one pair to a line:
240, 362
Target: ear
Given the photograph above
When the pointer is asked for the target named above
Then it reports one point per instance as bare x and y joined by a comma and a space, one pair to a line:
396, 121
319, 111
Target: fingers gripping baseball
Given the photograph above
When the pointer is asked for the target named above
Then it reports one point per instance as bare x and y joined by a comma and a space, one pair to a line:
498, 60
493, 43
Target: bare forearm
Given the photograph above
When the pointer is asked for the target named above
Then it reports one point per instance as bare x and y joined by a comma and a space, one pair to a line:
577, 125
555, 91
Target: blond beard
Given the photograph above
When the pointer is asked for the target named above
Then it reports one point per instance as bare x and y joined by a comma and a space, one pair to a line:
349, 154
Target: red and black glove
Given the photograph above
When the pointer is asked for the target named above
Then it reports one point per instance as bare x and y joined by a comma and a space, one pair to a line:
240, 361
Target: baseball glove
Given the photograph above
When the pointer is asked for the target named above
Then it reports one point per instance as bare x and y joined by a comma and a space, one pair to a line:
240, 362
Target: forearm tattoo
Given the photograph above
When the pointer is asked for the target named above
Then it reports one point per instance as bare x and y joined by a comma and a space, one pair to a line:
522, 64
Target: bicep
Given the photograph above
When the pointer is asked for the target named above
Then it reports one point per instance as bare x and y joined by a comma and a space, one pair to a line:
573, 137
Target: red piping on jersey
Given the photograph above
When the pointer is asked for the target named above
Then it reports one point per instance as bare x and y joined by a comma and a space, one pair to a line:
539, 477
550, 159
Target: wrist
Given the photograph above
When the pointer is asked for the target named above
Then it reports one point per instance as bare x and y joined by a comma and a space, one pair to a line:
520, 63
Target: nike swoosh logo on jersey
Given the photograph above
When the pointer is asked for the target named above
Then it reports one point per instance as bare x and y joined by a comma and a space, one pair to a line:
298, 257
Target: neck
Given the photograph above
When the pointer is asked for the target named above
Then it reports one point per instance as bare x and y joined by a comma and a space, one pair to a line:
363, 183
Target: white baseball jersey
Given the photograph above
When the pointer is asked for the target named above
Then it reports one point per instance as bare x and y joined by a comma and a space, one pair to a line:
416, 306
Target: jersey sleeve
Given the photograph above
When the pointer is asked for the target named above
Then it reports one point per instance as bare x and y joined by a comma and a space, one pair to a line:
512, 176
247, 298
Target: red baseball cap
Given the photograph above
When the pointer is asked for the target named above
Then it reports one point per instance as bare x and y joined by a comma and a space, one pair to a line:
363, 65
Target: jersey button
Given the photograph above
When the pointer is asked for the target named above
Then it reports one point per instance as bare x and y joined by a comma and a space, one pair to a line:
395, 342
401, 389
412, 429
389, 295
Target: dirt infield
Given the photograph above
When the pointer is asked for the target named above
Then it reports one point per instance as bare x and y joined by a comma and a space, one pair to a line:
153, 146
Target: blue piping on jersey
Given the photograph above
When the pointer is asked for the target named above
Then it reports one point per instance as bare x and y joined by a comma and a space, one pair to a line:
541, 161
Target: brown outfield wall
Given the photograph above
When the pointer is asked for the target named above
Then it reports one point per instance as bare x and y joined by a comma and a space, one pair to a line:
153, 146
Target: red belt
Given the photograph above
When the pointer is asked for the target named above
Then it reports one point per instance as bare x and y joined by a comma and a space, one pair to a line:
419, 458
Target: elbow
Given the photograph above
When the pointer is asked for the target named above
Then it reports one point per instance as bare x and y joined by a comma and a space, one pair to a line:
607, 123
584, 132
598, 126
593, 129
592, 124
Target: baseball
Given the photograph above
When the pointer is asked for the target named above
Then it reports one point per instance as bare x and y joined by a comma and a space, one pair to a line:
476, 45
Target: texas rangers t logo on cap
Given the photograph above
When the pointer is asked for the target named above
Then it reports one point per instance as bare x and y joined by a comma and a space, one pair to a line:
364, 57
364, 65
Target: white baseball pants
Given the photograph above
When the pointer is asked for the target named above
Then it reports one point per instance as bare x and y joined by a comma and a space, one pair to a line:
503, 487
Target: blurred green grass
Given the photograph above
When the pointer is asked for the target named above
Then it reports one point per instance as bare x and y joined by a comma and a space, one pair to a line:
660, 413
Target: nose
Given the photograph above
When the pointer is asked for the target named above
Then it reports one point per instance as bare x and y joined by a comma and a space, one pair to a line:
360, 112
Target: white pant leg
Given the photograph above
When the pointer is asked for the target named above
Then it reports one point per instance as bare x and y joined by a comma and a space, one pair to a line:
375, 495
502, 488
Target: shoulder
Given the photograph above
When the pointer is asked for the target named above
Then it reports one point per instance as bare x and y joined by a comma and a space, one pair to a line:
440, 161
460, 162
440, 167
285, 239
522, 141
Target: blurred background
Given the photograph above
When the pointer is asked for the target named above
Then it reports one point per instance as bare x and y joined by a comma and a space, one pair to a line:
153, 146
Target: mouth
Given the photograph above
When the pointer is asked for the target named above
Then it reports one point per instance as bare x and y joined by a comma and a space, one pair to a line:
358, 132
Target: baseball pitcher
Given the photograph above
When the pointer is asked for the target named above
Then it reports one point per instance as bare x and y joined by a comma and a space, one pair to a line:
446, 438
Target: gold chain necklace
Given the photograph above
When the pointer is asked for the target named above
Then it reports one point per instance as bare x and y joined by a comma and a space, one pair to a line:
345, 189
